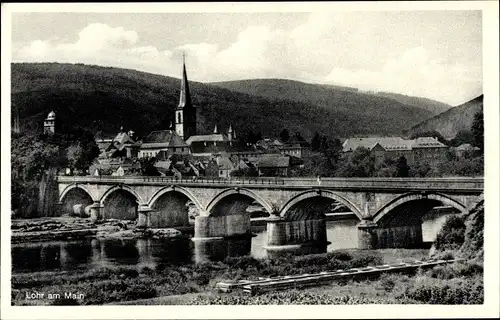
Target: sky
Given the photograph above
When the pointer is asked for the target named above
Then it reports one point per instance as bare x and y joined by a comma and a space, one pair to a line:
432, 54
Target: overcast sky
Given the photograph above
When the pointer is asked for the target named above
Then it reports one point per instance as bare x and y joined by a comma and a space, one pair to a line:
433, 54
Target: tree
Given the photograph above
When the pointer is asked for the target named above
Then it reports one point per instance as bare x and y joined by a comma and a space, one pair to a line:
402, 168
245, 172
148, 168
316, 142
419, 169
477, 130
463, 136
80, 155
284, 135
360, 163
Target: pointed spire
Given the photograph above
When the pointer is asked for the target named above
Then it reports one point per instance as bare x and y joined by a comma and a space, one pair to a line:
230, 130
185, 97
215, 129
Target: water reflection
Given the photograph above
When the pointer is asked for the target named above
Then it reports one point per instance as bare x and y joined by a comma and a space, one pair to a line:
93, 253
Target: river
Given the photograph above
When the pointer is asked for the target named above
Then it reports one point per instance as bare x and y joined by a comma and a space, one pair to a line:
93, 253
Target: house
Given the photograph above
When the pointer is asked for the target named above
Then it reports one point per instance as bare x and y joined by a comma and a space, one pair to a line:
465, 149
225, 166
273, 165
163, 140
293, 149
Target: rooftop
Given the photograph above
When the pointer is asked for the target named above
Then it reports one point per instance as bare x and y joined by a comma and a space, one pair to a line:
391, 143
271, 161
163, 138
207, 137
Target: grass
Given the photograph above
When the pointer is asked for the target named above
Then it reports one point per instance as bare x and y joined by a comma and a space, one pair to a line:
114, 284
194, 284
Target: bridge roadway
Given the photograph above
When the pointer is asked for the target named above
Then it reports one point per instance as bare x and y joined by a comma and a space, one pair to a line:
389, 209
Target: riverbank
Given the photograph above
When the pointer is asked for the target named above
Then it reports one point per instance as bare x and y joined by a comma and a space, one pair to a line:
121, 284
72, 228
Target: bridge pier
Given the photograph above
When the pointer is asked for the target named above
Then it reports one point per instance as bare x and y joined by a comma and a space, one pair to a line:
367, 235
295, 237
373, 236
95, 212
207, 227
143, 216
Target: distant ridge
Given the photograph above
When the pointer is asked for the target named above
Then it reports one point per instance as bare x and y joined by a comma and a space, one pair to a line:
325, 95
450, 122
105, 98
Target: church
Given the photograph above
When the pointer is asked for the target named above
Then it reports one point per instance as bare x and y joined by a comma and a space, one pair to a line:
180, 139
184, 139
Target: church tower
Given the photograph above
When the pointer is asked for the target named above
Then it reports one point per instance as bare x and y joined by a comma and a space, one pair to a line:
185, 114
50, 123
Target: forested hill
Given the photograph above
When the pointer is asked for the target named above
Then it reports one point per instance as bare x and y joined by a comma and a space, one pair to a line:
333, 97
103, 99
450, 122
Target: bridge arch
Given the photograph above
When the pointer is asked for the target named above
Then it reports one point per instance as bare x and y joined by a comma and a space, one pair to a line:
320, 193
237, 191
122, 187
166, 190
75, 199
408, 197
77, 186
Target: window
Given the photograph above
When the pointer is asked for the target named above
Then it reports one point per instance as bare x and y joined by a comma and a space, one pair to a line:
221, 172
179, 119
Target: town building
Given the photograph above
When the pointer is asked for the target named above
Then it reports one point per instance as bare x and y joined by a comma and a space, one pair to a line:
466, 149
272, 165
422, 149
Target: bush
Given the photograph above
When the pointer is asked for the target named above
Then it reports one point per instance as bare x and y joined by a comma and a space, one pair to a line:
438, 291
452, 234
455, 270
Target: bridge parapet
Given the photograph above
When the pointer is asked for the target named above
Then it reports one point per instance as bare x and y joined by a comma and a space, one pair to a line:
451, 184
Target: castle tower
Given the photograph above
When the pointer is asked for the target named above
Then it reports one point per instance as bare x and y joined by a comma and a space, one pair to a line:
50, 123
230, 133
15, 124
185, 114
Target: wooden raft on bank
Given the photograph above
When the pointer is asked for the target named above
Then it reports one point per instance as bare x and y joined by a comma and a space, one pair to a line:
307, 280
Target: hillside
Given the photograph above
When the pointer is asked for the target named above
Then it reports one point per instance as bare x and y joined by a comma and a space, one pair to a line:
332, 97
450, 122
103, 98
433, 106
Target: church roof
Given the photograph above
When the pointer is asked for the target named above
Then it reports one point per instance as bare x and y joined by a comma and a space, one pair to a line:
207, 137
163, 138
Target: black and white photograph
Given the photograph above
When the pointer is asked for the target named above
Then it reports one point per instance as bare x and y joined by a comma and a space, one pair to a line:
258, 154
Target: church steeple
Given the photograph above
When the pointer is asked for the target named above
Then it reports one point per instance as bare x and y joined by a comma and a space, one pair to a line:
185, 97
185, 114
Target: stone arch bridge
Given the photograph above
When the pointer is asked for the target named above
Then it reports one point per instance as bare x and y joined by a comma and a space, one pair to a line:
389, 209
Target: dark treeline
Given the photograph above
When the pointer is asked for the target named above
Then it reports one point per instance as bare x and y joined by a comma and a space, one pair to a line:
34, 155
